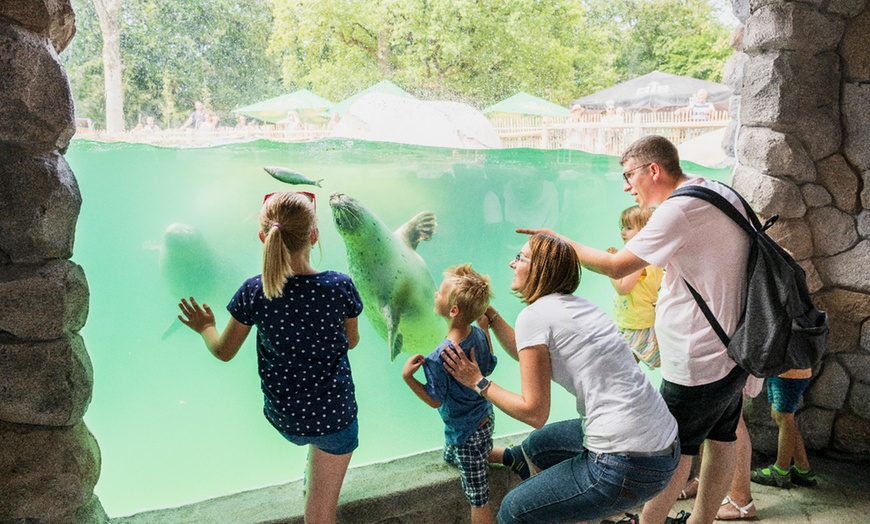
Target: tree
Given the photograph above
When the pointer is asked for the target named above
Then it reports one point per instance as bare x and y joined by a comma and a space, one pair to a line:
109, 13
682, 37
175, 52
476, 51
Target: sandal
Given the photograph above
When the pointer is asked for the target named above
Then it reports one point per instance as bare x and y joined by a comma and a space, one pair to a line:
747, 512
690, 490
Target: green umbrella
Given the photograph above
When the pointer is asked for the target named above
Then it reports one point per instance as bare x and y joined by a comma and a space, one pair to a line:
526, 104
304, 102
384, 86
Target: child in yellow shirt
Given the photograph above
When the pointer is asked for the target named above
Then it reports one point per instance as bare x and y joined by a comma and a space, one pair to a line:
637, 293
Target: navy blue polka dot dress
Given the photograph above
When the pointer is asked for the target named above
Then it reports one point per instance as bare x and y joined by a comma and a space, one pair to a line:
302, 350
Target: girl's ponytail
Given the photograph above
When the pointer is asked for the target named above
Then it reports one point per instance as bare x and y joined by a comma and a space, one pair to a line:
276, 262
287, 220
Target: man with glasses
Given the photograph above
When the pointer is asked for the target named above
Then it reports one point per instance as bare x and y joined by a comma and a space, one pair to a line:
702, 386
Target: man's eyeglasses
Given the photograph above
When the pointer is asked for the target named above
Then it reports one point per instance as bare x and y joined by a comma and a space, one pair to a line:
522, 258
628, 174
310, 196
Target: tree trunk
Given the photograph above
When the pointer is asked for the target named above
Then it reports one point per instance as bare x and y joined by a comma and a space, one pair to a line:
109, 12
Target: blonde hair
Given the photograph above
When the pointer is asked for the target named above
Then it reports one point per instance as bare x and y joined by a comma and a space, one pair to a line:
635, 217
554, 268
286, 220
469, 290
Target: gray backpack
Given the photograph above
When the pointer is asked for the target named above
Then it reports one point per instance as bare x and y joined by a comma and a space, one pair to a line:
779, 329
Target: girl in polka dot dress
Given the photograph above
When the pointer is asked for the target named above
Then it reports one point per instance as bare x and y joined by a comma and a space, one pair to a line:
306, 323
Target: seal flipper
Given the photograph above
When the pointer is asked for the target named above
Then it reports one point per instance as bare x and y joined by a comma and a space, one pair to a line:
173, 327
420, 227
394, 336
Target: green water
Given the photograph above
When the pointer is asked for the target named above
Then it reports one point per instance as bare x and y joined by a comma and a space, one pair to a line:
174, 424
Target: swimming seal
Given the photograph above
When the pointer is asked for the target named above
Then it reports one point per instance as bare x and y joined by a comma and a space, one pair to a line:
191, 267
392, 278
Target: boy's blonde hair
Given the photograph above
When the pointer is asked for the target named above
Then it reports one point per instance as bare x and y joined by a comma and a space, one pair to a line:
287, 220
635, 217
554, 268
470, 291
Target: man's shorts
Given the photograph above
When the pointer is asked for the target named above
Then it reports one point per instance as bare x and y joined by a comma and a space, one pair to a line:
784, 394
471, 458
341, 442
709, 411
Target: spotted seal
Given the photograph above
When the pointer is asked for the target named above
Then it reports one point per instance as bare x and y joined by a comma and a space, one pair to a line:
392, 278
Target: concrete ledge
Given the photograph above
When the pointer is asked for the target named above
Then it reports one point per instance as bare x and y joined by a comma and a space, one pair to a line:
419, 489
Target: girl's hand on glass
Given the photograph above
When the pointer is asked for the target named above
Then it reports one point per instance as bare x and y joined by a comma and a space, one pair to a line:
541, 231
462, 368
194, 316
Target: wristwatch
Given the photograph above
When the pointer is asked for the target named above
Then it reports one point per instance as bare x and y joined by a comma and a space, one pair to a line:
481, 385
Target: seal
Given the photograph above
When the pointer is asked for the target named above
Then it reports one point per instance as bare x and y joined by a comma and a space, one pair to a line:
288, 176
393, 280
191, 267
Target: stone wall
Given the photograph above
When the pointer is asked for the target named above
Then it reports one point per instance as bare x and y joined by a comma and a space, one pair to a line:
49, 461
801, 78
801, 137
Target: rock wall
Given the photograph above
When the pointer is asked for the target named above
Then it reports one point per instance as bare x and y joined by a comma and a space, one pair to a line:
49, 461
801, 140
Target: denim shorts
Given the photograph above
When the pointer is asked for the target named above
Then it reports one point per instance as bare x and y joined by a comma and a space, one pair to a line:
341, 442
576, 484
709, 411
471, 459
784, 394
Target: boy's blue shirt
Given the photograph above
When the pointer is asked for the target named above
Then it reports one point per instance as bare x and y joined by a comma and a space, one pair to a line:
462, 409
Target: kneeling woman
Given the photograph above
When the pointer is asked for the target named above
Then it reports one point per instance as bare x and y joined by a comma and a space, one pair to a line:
623, 449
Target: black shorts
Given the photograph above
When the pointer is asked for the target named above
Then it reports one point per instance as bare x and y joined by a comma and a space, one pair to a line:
709, 411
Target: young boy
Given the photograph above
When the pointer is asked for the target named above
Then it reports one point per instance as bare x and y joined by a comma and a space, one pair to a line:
784, 394
462, 298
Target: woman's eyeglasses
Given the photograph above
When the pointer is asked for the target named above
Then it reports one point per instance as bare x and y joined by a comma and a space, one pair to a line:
310, 196
522, 258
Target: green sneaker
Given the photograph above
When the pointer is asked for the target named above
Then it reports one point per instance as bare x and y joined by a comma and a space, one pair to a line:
681, 518
803, 478
772, 476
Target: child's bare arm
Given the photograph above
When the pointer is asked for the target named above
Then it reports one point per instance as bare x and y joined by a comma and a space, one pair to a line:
201, 319
411, 367
624, 285
351, 327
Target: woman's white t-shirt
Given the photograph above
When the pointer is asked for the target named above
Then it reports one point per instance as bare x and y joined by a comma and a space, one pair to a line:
620, 408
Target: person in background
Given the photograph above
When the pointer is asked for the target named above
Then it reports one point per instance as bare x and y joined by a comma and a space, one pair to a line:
636, 295
792, 466
622, 449
699, 107
462, 298
150, 126
306, 322
197, 118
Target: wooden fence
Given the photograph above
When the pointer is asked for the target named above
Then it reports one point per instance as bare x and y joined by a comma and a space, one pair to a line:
593, 133
598, 133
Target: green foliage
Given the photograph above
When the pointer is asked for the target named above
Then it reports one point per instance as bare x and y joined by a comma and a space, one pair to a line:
682, 37
230, 53
210, 50
455, 49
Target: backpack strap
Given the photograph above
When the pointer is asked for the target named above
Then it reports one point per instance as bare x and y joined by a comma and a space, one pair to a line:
751, 225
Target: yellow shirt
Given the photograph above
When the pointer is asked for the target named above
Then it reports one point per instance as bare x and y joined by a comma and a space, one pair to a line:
636, 310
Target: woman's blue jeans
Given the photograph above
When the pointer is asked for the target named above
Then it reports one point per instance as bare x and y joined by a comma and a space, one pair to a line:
579, 485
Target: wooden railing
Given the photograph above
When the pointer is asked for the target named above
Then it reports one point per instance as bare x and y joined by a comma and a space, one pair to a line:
206, 137
597, 133
594, 133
